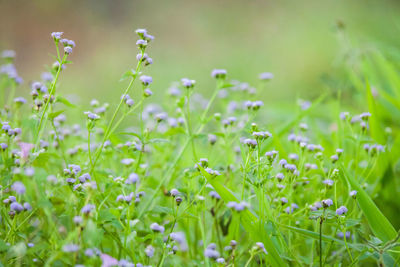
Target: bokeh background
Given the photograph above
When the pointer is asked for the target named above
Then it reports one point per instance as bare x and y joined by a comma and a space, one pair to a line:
295, 40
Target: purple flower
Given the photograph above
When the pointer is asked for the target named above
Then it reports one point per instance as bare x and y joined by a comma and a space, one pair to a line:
108, 261
146, 80
56, 36
127, 161
188, 83
218, 73
70, 248
15, 206
18, 187
266, 76
132, 178
3, 146
92, 116
157, 228
342, 210
353, 193
141, 32
141, 43
328, 182
8, 54
27, 206
149, 251
67, 50
214, 194
327, 203
174, 192
88, 208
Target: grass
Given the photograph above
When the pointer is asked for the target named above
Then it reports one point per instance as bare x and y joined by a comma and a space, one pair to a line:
196, 180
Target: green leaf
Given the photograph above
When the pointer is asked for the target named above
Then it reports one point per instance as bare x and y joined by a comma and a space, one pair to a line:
55, 114
375, 127
63, 100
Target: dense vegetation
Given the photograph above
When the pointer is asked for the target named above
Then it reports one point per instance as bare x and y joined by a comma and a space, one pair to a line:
216, 181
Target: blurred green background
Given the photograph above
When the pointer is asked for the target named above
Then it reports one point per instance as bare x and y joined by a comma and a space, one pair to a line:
295, 40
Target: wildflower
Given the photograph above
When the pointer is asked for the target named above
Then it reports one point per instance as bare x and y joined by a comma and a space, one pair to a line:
174, 192
27, 206
342, 210
280, 176
220, 260
107, 260
3, 146
252, 143
8, 54
149, 251
178, 200
141, 32
327, 203
30, 245
70, 248
334, 158
284, 200
146, 80
88, 208
56, 36
127, 161
365, 116
132, 178
19, 100
147, 92
157, 228
214, 194
129, 102
212, 139
141, 43
68, 50
18, 187
15, 206
260, 246
271, 155
219, 73
353, 193
78, 220
211, 252
188, 83
328, 182
341, 235
30, 171
266, 76
92, 116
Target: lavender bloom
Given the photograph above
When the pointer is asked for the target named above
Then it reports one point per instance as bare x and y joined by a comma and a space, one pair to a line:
15, 206
211, 252
252, 143
12, 198
141, 43
67, 50
132, 178
266, 76
20, 100
30, 171
18, 187
284, 200
188, 83
146, 80
149, 251
220, 260
92, 116
141, 32
88, 208
78, 220
157, 228
69, 248
30, 245
3, 146
147, 92
8, 54
127, 161
328, 182
27, 206
174, 192
56, 36
365, 116
280, 176
107, 260
327, 202
342, 210
219, 73
214, 194
353, 193
212, 139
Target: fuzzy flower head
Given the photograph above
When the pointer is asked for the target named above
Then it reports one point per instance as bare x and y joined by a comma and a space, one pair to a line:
187, 83
266, 76
353, 193
18, 187
146, 80
157, 228
341, 211
219, 73
327, 203
56, 36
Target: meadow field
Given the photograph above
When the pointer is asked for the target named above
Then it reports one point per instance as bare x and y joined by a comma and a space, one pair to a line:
211, 133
